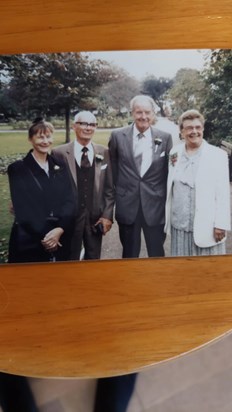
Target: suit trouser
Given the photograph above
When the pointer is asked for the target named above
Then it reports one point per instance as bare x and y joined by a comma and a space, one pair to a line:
15, 394
84, 235
113, 394
130, 236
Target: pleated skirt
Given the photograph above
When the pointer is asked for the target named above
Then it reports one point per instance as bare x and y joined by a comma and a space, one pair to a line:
182, 244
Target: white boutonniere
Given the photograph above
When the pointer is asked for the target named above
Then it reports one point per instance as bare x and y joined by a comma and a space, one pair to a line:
157, 142
56, 167
99, 157
173, 158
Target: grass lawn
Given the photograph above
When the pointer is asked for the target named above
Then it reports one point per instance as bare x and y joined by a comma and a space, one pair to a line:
11, 144
17, 142
6, 218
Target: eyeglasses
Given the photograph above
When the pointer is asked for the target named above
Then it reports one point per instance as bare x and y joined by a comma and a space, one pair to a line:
191, 128
84, 124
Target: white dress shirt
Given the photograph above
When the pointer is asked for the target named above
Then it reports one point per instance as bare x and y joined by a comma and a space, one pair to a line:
143, 146
78, 152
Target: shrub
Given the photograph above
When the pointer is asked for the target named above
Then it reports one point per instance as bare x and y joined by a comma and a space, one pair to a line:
6, 160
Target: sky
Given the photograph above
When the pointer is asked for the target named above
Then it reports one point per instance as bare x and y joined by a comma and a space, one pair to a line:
160, 63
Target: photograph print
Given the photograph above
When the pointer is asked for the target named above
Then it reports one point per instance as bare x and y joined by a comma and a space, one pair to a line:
109, 155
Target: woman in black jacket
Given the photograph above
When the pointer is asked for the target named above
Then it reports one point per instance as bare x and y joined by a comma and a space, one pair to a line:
43, 203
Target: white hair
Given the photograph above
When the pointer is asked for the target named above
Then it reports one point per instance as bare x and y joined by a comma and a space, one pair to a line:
140, 99
79, 115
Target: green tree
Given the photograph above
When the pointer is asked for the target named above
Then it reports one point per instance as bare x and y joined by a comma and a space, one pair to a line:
157, 89
186, 92
56, 83
8, 106
118, 92
217, 105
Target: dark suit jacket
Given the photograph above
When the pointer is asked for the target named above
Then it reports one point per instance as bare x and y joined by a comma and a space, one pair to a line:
103, 195
35, 197
131, 189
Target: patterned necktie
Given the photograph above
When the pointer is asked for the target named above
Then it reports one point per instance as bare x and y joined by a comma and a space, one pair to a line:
85, 163
138, 151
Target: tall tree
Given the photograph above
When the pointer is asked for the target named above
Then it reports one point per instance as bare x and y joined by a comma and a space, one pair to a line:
157, 89
118, 92
55, 83
218, 98
8, 106
187, 91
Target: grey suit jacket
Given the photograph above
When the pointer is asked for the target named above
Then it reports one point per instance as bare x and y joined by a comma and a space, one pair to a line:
103, 195
131, 189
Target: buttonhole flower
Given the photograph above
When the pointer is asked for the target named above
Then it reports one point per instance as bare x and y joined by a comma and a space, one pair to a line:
99, 157
173, 158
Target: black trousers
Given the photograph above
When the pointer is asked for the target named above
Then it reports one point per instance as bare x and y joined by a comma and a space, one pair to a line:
113, 394
130, 237
15, 394
83, 235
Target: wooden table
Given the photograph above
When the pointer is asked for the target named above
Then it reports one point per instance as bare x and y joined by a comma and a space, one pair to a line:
91, 319
104, 318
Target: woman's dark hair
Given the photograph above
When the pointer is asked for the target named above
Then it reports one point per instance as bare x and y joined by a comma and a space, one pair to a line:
39, 125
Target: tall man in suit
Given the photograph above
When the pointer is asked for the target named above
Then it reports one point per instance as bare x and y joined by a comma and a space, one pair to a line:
91, 175
139, 156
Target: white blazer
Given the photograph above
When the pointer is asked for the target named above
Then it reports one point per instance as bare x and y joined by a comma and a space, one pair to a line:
212, 188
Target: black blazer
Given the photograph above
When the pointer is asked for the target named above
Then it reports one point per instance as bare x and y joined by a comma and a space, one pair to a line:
37, 197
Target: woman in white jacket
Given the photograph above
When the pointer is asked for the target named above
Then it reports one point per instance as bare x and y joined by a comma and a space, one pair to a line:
198, 192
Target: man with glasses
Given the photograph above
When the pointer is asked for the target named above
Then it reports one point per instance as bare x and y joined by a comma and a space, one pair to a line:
91, 176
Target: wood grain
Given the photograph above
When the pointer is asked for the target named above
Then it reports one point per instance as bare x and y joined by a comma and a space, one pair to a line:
35, 26
96, 319
112, 317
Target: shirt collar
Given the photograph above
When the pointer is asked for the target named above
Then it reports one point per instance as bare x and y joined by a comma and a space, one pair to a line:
147, 132
78, 147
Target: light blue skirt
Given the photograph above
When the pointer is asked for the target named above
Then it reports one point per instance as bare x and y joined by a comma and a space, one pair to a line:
182, 244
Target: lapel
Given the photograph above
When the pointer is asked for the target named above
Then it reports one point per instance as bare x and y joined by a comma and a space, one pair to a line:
172, 168
69, 153
205, 162
30, 162
128, 147
37, 176
52, 164
202, 170
156, 149
97, 167
154, 134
